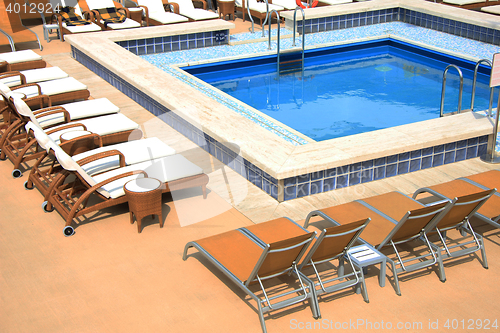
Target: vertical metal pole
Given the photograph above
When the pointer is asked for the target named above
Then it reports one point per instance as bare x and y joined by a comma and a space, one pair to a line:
492, 158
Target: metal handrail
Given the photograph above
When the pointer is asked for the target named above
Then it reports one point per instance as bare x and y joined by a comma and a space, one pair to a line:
250, 15
303, 31
459, 92
278, 36
267, 18
486, 61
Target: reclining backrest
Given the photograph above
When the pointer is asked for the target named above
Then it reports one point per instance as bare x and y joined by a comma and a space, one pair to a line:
154, 6
96, 4
184, 5
40, 136
24, 110
5, 90
68, 163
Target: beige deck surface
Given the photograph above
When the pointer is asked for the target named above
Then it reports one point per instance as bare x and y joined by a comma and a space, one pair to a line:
109, 278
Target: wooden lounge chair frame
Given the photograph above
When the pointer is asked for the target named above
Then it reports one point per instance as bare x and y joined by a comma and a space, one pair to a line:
167, 7
97, 16
276, 259
476, 5
72, 199
20, 66
424, 218
87, 15
467, 206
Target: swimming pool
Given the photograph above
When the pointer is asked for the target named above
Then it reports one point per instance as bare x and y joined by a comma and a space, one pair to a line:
354, 89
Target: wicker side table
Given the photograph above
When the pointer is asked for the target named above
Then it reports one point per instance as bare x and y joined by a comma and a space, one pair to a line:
144, 198
226, 7
136, 14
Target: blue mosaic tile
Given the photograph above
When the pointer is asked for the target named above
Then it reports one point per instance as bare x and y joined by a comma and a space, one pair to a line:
391, 170
403, 167
329, 184
342, 181
426, 162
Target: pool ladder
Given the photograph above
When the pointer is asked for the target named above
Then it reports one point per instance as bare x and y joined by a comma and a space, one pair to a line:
291, 60
461, 88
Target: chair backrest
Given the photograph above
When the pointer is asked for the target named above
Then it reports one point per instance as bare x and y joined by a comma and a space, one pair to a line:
464, 207
24, 110
68, 163
184, 5
416, 222
334, 242
154, 6
40, 136
279, 257
5, 90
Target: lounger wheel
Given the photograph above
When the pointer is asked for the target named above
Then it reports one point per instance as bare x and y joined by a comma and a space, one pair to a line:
44, 207
68, 231
27, 187
17, 173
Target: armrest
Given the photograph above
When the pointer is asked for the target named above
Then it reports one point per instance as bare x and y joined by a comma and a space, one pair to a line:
173, 4
89, 15
203, 2
146, 14
56, 111
123, 9
39, 97
28, 85
82, 144
102, 155
68, 126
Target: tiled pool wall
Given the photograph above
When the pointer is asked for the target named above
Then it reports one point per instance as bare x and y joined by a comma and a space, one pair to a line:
470, 31
321, 181
175, 43
389, 166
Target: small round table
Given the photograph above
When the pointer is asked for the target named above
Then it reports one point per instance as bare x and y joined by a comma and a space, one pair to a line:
226, 7
144, 198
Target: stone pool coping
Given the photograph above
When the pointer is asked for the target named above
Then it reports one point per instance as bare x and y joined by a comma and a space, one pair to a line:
272, 154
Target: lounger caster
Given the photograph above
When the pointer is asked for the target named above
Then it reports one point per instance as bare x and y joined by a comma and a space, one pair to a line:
68, 231
44, 207
26, 187
17, 173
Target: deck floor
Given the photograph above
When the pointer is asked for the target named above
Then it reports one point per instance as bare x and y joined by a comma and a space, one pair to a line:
109, 278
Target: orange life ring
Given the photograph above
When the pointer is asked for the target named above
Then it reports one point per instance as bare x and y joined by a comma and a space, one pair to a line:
301, 4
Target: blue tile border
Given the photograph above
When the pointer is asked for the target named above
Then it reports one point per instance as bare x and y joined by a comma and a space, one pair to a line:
385, 167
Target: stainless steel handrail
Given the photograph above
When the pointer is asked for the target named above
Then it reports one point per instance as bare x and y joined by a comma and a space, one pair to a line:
250, 15
267, 18
303, 31
486, 61
459, 92
278, 36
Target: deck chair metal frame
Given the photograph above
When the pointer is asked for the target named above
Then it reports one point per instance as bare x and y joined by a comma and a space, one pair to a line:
495, 221
290, 267
429, 218
330, 235
471, 204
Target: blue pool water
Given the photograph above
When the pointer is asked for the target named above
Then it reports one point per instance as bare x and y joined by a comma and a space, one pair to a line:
349, 90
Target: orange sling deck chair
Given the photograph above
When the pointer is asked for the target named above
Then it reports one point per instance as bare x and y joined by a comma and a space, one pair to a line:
395, 219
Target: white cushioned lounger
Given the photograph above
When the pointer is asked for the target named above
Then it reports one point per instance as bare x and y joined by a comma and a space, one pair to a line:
258, 6
19, 56
492, 9
52, 87
463, 2
187, 9
165, 169
287, 4
74, 29
136, 151
35, 76
97, 4
158, 13
335, 2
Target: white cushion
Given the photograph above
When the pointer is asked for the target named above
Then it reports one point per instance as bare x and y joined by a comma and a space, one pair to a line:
19, 56
53, 87
128, 23
462, 2
492, 9
36, 75
79, 110
164, 169
198, 14
168, 18
261, 7
154, 6
335, 2
287, 4
74, 29
136, 151
103, 125
184, 5
96, 4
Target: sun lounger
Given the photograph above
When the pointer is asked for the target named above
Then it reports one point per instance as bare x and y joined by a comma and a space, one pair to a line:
91, 193
470, 4
154, 13
12, 29
17, 78
334, 243
249, 262
22, 147
80, 148
395, 219
58, 91
186, 8
103, 9
492, 9
21, 60
72, 20
333, 2
257, 9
